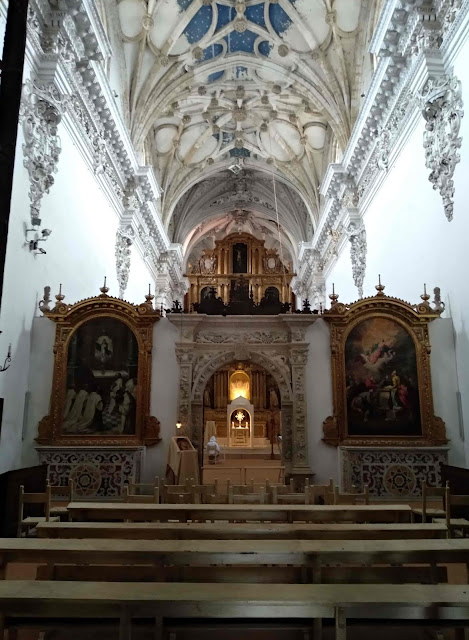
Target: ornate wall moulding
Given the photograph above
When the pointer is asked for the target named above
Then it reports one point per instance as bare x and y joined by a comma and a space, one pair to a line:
442, 109
124, 239
97, 473
102, 374
391, 473
381, 378
41, 112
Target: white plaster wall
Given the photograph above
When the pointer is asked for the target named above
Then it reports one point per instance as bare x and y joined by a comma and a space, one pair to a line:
80, 252
411, 242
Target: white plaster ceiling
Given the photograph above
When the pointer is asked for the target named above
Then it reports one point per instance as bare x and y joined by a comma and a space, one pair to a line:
272, 85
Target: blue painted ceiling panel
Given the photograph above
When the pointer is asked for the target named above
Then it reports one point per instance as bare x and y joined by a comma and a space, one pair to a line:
265, 48
240, 153
184, 4
255, 13
212, 51
213, 77
225, 15
241, 41
279, 19
199, 25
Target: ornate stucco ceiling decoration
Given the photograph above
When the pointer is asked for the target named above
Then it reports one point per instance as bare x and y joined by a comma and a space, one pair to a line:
273, 85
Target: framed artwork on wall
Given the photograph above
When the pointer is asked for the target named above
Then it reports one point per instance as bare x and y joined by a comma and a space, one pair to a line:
102, 374
381, 378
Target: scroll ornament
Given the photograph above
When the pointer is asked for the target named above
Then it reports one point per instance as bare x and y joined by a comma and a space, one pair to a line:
442, 108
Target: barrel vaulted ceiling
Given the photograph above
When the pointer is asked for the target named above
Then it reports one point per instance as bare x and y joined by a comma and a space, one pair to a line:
219, 95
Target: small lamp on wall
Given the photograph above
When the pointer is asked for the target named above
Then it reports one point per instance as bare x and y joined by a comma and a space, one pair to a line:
6, 364
178, 425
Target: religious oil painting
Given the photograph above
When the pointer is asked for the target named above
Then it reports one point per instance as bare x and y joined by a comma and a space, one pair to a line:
381, 380
102, 373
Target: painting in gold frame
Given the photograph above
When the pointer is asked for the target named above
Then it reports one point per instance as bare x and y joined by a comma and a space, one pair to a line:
102, 374
380, 356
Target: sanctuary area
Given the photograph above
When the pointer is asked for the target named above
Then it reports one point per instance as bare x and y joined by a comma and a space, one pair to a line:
234, 323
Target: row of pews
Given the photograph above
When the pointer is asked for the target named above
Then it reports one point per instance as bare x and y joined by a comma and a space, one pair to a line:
128, 564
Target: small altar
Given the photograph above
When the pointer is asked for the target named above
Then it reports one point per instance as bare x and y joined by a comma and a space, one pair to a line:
240, 427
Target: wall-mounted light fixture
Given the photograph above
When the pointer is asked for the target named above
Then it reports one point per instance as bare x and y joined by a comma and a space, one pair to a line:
34, 242
6, 364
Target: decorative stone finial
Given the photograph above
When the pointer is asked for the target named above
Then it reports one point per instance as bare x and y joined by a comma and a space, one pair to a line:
44, 304
425, 297
149, 297
380, 287
104, 289
333, 296
59, 297
438, 305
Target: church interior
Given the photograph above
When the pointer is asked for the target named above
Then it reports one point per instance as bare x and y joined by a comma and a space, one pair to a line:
234, 321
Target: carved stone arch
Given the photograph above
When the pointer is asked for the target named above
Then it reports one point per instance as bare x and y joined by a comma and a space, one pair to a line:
282, 376
205, 368
203, 373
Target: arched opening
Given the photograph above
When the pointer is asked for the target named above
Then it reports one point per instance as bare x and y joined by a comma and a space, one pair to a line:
249, 389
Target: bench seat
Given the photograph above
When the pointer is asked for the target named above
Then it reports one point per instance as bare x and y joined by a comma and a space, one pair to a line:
237, 531
62, 600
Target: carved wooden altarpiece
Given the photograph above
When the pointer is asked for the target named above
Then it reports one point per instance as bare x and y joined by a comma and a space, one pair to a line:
381, 379
118, 394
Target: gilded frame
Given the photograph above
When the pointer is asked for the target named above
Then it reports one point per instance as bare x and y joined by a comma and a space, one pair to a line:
342, 319
68, 319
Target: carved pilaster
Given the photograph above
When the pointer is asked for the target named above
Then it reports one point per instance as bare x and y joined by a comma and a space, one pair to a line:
355, 228
357, 237
298, 359
124, 237
41, 112
440, 102
185, 357
442, 108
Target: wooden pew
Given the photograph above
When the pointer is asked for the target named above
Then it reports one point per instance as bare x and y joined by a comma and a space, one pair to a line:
312, 556
33, 600
239, 531
106, 511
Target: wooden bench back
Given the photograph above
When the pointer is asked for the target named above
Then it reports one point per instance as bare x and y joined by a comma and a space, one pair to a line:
142, 488
320, 493
33, 498
453, 501
352, 498
434, 494
274, 574
64, 492
138, 498
246, 497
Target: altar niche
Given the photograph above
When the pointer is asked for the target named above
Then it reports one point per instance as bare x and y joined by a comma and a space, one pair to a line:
242, 407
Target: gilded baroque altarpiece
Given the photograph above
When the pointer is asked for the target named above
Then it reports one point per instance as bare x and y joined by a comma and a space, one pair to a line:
99, 416
383, 421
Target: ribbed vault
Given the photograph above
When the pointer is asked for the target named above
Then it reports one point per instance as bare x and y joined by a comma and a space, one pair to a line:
272, 86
